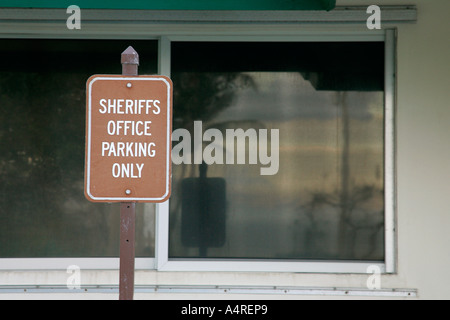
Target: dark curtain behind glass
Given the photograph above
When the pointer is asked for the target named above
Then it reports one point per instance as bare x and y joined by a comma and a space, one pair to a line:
43, 212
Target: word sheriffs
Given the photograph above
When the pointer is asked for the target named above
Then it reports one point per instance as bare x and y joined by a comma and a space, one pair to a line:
129, 106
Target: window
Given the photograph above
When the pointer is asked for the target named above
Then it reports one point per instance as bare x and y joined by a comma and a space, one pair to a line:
42, 128
283, 153
319, 110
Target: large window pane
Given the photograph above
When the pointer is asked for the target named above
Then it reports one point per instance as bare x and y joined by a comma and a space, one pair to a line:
43, 212
326, 200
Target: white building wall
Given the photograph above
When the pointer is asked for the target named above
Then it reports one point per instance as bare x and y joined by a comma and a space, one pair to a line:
423, 150
423, 172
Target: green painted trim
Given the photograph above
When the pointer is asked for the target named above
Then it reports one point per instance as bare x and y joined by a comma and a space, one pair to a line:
176, 4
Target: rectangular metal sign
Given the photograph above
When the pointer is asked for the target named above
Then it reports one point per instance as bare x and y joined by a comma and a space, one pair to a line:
128, 138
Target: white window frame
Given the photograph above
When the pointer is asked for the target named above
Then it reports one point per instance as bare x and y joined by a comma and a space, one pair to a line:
163, 263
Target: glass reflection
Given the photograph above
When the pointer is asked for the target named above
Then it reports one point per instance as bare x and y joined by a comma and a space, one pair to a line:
43, 212
327, 199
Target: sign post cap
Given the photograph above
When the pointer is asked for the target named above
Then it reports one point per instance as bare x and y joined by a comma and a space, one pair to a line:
130, 56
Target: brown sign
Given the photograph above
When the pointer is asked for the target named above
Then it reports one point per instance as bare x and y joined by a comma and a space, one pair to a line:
128, 138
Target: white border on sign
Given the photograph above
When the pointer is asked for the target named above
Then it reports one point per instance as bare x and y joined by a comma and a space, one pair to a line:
168, 149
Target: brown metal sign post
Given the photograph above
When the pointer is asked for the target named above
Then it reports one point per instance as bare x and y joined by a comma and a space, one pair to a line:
127, 251
128, 148
130, 63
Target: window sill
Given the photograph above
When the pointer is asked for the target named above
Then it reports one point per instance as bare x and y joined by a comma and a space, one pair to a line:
270, 266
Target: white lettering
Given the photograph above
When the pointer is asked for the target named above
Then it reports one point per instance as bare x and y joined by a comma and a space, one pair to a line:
138, 132
127, 170
128, 127
139, 169
128, 149
215, 147
105, 147
116, 170
103, 104
151, 151
242, 144
156, 105
148, 105
241, 136
73, 281
112, 106
147, 128
74, 21
181, 152
129, 106
274, 159
120, 106
374, 21
192, 310
198, 142
374, 281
